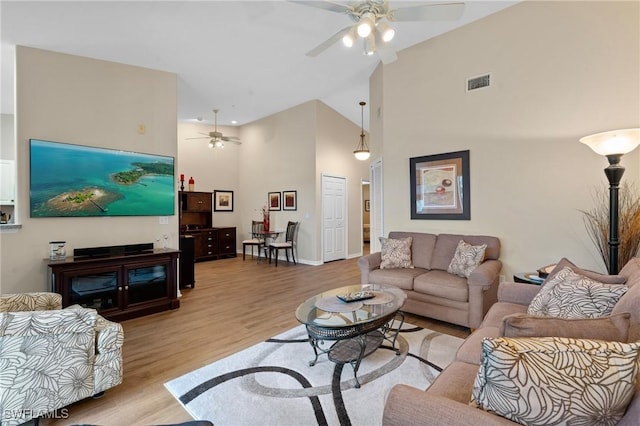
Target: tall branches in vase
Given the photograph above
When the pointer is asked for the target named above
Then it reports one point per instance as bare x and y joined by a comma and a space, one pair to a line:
596, 221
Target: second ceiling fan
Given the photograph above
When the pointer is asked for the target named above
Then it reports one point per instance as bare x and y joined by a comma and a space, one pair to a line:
370, 25
217, 139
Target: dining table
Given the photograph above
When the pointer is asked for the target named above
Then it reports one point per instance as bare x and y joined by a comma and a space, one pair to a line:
267, 236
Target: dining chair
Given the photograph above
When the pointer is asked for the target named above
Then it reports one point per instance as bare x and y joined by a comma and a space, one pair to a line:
289, 244
256, 240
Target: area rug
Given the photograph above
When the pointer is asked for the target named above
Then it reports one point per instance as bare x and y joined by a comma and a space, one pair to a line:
272, 383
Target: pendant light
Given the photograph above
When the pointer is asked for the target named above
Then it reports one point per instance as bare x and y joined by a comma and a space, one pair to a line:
362, 150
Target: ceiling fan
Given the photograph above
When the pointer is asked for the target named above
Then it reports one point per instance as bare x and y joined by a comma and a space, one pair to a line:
370, 18
217, 139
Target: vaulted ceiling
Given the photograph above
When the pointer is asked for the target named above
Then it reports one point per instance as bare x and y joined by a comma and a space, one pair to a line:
246, 58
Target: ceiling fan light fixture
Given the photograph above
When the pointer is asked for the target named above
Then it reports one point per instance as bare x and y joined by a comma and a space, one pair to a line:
386, 32
362, 150
349, 38
367, 15
366, 24
216, 138
370, 45
213, 143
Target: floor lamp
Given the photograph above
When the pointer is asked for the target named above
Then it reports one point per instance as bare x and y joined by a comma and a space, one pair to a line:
613, 145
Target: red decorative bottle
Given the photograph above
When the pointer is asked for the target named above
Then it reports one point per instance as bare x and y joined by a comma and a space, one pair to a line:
265, 223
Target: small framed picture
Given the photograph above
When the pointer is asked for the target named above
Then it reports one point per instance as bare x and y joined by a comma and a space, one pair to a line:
274, 201
222, 201
290, 200
367, 205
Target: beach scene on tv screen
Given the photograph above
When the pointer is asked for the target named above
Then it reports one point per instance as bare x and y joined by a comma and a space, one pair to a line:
76, 180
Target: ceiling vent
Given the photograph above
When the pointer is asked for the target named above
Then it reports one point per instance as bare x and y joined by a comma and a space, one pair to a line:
475, 83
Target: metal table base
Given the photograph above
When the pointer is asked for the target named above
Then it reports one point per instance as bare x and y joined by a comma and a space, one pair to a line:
355, 343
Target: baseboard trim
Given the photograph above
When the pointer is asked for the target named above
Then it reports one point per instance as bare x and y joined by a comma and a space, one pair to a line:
283, 259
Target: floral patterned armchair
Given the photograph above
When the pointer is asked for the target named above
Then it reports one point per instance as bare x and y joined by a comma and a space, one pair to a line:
51, 357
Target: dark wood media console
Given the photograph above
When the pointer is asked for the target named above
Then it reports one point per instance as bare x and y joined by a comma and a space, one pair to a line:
120, 285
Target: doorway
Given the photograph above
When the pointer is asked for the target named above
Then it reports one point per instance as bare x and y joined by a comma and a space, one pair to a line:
377, 208
366, 217
334, 218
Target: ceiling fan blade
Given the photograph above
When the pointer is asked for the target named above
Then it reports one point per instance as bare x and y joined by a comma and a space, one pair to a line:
326, 5
230, 138
200, 137
428, 12
328, 42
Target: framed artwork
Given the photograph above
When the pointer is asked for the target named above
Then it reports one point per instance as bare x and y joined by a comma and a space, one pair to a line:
222, 201
367, 205
274, 201
440, 186
289, 200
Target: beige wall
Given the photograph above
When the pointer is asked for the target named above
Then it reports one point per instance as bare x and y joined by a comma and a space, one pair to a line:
278, 155
337, 138
560, 71
83, 101
289, 151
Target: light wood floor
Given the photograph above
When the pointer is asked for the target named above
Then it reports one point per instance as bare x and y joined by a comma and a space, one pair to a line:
235, 304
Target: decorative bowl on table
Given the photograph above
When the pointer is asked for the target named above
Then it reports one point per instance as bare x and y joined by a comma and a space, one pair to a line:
545, 271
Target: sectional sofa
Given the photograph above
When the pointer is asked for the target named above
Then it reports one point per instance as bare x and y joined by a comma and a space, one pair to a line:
447, 400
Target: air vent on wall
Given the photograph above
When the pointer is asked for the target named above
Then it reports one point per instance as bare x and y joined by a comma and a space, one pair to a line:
479, 82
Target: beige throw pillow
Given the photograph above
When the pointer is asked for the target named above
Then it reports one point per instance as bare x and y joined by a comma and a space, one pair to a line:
396, 253
555, 380
466, 259
570, 295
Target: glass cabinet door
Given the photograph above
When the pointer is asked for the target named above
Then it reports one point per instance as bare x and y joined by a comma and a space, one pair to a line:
98, 290
145, 283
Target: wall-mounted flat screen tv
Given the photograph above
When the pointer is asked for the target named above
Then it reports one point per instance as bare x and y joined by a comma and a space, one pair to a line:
75, 180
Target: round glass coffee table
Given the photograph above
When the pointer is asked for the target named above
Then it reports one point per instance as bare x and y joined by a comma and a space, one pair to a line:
358, 327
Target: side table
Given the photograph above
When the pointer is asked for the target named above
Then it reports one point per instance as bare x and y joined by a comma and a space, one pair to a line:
528, 278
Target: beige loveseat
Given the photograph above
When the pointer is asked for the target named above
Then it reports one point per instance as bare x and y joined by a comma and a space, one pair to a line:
446, 401
432, 291
51, 357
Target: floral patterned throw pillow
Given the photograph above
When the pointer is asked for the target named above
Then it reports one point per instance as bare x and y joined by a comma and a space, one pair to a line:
555, 380
570, 295
396, 253
466, 259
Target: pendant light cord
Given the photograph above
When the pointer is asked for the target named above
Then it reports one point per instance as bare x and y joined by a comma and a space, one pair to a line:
362, 104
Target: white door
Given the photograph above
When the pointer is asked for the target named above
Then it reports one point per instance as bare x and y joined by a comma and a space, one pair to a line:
334, 218
375, 192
